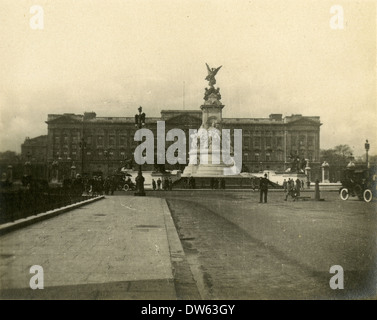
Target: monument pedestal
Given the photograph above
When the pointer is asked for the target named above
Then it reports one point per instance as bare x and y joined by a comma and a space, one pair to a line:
209, 163
295, 175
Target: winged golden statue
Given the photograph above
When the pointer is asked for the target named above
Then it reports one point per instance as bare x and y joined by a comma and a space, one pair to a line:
211, 75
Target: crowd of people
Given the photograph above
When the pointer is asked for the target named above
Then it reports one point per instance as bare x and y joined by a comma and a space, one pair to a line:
293, 188
164, 184
97, 185
217, 183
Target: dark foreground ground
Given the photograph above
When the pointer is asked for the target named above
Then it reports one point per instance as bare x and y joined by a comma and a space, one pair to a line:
127, 247
238, 248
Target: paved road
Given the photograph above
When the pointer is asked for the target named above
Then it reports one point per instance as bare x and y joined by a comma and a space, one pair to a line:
111, 249
238, 248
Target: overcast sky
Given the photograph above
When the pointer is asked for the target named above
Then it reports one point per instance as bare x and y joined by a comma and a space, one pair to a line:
112, 56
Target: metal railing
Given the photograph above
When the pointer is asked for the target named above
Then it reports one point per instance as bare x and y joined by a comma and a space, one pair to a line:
23, 203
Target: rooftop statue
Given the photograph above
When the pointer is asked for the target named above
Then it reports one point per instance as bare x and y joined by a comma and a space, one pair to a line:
211, 75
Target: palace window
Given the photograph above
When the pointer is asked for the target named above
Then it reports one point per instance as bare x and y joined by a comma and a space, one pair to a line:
293, 141
257, 142
100, 140
301, 141
111, 141
279, 141
268, 142
246, 142
122, 141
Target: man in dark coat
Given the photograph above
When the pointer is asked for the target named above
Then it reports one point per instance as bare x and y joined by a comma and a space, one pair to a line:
263, 188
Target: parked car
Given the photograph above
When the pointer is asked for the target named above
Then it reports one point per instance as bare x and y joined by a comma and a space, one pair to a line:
359, 182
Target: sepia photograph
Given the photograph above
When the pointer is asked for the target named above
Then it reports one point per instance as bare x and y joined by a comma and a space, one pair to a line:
188, 151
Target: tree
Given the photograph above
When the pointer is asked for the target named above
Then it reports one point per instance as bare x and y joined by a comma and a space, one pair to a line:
8, 155
338, 156
372, 159
343, 150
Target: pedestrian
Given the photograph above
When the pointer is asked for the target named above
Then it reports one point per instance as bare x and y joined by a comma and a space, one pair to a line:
78, 185
212, 182
158, 184
170, 184
112, 185
106, 185
263, 187
302, 184
285, 185
93, 186
100, 185
253, 186
154, 185
308, 184
192, 182
298, 187
222, 182
290, 190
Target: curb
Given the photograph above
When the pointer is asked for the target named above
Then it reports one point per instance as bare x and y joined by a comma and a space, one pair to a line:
239, 190
184, 283
21, 223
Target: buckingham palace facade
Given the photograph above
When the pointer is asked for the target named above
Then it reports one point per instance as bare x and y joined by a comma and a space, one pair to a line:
85, 143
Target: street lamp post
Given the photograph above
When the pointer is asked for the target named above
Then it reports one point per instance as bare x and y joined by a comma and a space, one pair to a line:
367, 145
107, 156
139, 123
55, 171
82, 145
28, 165
68, 167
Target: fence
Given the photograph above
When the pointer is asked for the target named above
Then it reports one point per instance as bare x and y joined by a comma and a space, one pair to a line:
23, 203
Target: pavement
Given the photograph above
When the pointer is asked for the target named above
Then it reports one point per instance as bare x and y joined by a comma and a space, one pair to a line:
126, 247
120, 247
